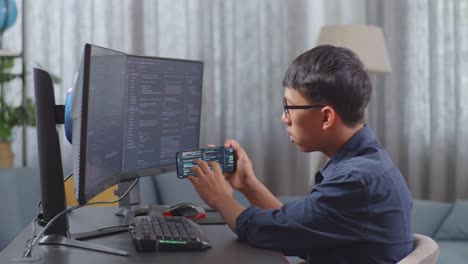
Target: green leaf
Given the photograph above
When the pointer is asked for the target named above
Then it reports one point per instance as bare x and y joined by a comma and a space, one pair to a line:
9, 63
30, 112
5, 134
6, 63
10, 115
6, 76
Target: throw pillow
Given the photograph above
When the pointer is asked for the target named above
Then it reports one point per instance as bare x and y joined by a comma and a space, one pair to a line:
455, 226
428, 216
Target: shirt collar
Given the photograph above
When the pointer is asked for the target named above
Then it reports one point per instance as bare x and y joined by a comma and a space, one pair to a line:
362, 139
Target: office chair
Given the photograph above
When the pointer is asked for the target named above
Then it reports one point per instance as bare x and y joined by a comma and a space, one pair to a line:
426, 251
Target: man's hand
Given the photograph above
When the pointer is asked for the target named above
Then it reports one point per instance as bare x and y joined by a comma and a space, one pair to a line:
245, 181
210, 185
216, 191
244, 175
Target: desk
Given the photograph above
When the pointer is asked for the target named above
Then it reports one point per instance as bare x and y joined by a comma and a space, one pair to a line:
225, 248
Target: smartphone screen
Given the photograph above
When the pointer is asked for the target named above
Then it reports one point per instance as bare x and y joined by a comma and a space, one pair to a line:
224, 156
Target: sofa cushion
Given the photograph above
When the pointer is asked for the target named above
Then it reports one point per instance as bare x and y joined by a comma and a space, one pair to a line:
428, 216
452, 252
455, 226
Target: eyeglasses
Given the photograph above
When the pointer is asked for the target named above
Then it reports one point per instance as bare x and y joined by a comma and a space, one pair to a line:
287, 107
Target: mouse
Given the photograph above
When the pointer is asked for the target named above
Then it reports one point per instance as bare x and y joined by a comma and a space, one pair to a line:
189, 210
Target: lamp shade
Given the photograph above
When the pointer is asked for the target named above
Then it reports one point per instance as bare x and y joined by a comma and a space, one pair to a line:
366, 41
9, 53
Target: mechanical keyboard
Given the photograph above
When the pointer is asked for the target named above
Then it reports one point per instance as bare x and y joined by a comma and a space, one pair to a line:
158, 233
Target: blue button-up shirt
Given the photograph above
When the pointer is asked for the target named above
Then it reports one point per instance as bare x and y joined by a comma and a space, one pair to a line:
359, 211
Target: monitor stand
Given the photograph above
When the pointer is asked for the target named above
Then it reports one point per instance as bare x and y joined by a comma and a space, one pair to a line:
129, 207
65, 241
72, 240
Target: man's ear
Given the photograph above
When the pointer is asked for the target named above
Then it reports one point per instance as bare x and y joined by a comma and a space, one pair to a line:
329, 117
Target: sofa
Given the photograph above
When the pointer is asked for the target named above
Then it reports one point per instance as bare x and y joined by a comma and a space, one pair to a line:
447, 224
19, 195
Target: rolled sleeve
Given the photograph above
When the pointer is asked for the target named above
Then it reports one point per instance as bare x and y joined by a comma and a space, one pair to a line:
307, 224
272, 230
242, 221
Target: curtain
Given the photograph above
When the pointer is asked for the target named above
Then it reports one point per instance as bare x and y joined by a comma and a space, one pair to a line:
246, 46
420, 110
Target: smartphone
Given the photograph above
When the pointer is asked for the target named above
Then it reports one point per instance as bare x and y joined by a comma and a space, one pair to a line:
224, 156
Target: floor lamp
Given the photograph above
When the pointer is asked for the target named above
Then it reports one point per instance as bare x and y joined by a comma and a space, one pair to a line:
366, 41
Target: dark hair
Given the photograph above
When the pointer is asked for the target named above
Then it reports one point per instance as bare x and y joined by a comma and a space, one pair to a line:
335, 76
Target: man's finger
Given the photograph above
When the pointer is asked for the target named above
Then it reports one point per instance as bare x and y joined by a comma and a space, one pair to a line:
216, 167
193, 180
231, 143
198, 171
211, 146
203, 166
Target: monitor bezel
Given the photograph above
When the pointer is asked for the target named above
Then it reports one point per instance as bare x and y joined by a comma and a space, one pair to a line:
81, 192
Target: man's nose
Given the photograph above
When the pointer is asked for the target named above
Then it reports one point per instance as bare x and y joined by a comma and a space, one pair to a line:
284, 118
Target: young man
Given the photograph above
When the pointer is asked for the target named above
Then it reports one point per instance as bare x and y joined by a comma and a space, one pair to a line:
359, 211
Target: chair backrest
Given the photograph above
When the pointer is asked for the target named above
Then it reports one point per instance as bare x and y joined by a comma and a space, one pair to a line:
426, 251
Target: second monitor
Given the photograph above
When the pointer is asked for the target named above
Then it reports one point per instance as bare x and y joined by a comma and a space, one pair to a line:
131, 114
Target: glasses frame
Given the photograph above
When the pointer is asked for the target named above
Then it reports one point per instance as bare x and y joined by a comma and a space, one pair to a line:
288, 107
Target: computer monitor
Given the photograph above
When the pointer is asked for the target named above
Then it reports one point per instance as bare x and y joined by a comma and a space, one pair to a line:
131, 114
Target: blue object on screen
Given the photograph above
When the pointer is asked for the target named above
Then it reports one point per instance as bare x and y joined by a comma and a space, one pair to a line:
68, 122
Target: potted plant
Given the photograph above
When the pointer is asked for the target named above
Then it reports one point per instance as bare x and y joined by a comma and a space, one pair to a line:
11, 115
